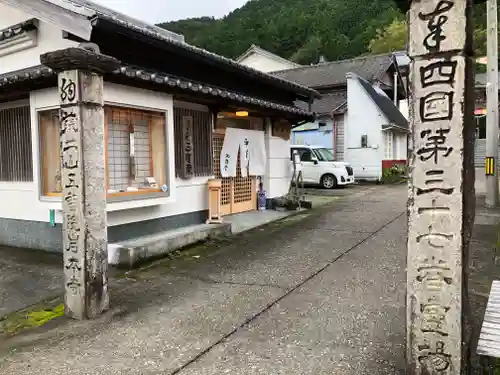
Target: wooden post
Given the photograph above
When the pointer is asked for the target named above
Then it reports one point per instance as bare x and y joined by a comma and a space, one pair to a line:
83, 177
441, 188
214, 201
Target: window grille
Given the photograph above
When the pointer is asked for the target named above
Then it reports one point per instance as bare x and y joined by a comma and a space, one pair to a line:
16, 158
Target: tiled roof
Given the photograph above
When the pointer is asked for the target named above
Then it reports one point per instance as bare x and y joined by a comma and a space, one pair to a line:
328, 102
385, 104
334, 73
112, 14
25, 75
178, 41
166, 80
182, 83
17, 29
256, 49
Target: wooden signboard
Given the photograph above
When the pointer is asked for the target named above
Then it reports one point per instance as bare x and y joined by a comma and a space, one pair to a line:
187, 148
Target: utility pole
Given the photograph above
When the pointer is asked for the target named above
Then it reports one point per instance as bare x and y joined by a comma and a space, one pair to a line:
491, 168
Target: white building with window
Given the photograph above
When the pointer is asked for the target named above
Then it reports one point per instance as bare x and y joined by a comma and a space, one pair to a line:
332, 110
164, 90
265, 61
376, 132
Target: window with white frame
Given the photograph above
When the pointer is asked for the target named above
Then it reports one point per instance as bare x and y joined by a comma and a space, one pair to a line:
16, 157
388, 145
135, 152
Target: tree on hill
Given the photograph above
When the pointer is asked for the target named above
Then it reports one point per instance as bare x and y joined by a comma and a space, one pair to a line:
190, 27
392, 38
395, 35
301, 30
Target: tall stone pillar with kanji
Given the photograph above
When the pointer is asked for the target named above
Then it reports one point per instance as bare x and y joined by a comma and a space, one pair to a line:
441, 188
83, 175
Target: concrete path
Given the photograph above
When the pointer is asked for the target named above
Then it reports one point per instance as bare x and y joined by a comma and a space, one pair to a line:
320, 295
27, 277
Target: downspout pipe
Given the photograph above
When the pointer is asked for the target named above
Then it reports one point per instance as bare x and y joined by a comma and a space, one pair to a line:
396, 89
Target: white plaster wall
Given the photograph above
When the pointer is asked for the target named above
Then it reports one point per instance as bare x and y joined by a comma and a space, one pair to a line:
10, 16
401, 146
363, 118
278, 168
49, 39
22, 200
403, 107
279, 162
265, 63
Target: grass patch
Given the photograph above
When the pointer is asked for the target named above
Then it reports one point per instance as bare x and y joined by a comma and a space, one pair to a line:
33, 317
394, 175
496, 367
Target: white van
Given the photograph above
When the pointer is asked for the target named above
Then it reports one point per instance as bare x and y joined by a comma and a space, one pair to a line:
319, 167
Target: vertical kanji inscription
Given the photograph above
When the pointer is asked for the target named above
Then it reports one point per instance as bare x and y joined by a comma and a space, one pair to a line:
436, 198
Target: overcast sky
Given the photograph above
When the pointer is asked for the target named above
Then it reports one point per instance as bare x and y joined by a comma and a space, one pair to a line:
154, 11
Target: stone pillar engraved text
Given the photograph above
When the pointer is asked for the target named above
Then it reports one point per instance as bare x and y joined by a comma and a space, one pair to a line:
84, 197
436, 26
72, 186
83, 175
434, 308
434, 241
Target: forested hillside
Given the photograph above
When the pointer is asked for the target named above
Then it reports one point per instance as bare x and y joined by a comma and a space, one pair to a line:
303, 30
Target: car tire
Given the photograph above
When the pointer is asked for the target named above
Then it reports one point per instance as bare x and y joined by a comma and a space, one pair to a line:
328, 181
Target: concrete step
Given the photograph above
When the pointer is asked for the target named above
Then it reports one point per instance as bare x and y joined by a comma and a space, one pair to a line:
129, 253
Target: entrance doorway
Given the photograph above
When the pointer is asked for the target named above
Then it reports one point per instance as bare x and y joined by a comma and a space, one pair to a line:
238, 194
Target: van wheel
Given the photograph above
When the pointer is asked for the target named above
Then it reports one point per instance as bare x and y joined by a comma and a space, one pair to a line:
328, 181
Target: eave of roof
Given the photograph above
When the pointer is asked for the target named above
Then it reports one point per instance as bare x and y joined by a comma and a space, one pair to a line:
320, 76
90, 9
340, 109
386, 106
165, 80
254, 48
18, 29
394, 127
86, 15
209, 56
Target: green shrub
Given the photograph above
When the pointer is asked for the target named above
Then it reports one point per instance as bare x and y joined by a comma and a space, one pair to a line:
396, 173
